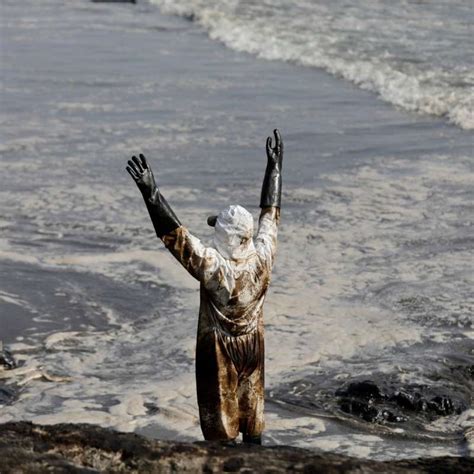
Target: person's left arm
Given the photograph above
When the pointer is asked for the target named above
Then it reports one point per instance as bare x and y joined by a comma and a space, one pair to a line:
270, 200
200, 261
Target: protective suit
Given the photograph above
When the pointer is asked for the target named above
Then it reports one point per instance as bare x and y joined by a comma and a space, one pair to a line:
234, 276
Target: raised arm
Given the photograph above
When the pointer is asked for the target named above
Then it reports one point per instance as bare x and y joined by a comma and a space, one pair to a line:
200, 261
163, 218
270, 199
271, 187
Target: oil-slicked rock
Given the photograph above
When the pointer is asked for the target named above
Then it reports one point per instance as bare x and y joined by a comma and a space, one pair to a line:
367, 401
68, 448
7, 362
365, 389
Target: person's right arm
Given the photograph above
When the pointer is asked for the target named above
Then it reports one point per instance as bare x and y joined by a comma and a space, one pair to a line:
200, 261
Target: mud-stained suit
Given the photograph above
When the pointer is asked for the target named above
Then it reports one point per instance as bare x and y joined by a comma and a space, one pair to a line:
230, 349
234, 276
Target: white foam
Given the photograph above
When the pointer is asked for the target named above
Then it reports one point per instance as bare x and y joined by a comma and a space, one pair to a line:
18, 257
12, 299
84, 107
58, 337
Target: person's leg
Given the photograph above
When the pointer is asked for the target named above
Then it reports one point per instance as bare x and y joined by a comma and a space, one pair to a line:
216, 380
251, 399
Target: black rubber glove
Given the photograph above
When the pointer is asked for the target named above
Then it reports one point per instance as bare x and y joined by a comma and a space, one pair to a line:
271, 188
163, 218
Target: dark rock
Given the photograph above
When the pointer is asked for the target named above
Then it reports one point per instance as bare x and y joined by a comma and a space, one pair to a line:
408, 401
392, 417
365, 389
367, 401
151, 408
442, 406
369, 412
68, 448
6, 360
439, 405
362, 409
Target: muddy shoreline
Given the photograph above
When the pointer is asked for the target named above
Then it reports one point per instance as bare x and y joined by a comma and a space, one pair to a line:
29, 448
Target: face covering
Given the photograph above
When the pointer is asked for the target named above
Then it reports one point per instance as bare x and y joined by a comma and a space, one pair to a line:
233, 237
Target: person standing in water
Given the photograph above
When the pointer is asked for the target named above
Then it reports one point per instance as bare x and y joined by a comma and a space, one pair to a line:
234, 276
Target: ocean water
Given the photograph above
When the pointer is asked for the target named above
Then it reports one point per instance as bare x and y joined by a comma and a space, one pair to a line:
373, 279
413, 54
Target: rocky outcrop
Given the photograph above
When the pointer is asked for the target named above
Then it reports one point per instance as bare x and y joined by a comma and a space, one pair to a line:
81, 448
368, 401
7, 362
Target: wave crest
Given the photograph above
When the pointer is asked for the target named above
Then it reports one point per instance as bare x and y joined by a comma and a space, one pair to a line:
413, 66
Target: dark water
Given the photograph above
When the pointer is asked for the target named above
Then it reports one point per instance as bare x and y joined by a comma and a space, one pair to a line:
373, 279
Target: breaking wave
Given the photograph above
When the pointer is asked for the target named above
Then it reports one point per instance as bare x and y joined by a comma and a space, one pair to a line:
412, 55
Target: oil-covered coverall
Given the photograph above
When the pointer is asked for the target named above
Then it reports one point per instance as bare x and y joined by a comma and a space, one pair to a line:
234, 276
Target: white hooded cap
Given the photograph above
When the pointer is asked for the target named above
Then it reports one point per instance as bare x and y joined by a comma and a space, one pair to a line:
233, 237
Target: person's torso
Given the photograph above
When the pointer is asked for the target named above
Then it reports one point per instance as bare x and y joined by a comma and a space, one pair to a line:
235, 294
